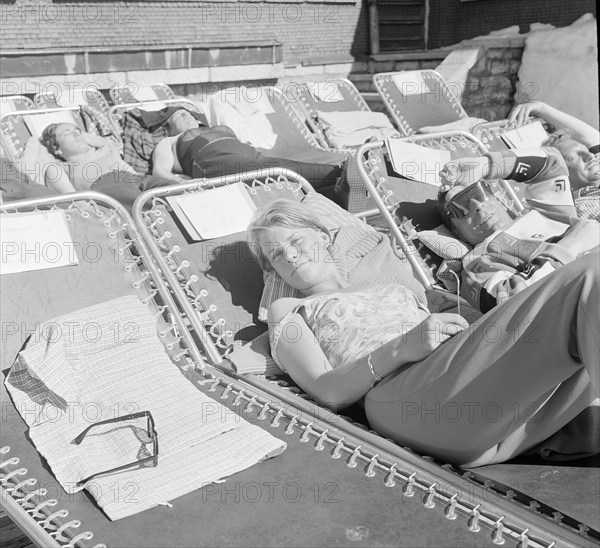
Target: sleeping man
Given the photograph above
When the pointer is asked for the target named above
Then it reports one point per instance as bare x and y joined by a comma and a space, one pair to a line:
196, 151
510, 252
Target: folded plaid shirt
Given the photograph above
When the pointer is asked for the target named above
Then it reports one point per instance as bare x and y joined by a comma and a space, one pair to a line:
138, 142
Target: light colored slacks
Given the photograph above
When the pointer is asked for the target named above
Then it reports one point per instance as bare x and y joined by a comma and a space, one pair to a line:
510, 381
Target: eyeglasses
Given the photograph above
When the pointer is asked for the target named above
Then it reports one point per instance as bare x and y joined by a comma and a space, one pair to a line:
459, 204
146, 436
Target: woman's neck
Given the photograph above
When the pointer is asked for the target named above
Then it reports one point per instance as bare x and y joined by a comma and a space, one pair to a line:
330, 285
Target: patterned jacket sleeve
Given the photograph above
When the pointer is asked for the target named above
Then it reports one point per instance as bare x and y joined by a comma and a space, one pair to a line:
543, 172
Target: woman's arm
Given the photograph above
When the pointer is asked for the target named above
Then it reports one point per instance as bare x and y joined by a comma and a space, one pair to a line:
96, 141
57, 180
582, 132
304, 360
163, 161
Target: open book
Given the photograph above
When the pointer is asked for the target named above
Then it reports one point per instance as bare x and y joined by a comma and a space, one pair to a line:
214, 212
416, 162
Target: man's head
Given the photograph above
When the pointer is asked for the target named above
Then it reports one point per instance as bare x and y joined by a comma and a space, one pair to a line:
473, 212
181, 120
583, 166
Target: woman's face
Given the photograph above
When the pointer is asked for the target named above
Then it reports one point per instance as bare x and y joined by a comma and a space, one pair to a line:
70, 140
584, 167
299, 255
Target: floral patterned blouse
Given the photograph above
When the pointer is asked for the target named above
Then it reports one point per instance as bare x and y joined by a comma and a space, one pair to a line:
350, 325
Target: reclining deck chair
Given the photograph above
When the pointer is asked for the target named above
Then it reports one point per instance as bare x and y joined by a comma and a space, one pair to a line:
17, 127
404, 203
139, 143
217, 285
329, 103
419, 98
409, 207
134, 93
421, 101
86, 97
490, 133
331, 477
293, 139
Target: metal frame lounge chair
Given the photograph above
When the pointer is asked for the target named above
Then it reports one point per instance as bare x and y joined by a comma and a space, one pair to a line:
14, 131
89, 97
339, 95
216, 303
403, 202
332, 476
424, 98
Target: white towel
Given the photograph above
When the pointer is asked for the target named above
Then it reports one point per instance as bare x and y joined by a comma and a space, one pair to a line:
106, 361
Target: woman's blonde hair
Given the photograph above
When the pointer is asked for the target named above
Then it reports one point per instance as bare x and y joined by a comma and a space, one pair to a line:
285, 213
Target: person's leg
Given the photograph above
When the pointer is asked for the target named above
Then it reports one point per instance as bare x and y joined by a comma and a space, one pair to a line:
319, 176
508, 382
124, 193
230, 156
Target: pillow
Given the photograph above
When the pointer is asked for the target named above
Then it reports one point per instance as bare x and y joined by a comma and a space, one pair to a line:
37, 123
347, 129
464, 124
443, 243
245, 112
365, 256
36, 160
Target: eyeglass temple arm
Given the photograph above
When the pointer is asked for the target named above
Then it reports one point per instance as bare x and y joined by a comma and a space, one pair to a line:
80, 438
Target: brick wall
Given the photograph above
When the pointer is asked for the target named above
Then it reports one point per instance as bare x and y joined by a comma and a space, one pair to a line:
451, 21
307, 29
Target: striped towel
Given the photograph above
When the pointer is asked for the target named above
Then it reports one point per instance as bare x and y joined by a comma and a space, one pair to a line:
106, 361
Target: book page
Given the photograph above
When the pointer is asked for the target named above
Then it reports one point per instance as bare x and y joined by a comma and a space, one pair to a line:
416, 162
536, 226
216, 212
35, 241
529, 136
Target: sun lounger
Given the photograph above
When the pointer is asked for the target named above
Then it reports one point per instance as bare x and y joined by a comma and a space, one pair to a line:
490, 133
18, 126
419, 99
409, 206
87, 97
334, 484
330, 98
215, 285
134, 93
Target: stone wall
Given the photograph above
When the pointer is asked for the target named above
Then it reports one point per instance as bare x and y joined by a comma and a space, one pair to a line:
484, 72
491, 83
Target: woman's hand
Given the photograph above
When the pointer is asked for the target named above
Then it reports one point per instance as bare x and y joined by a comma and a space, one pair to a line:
520, 113
95, 141
426, 337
